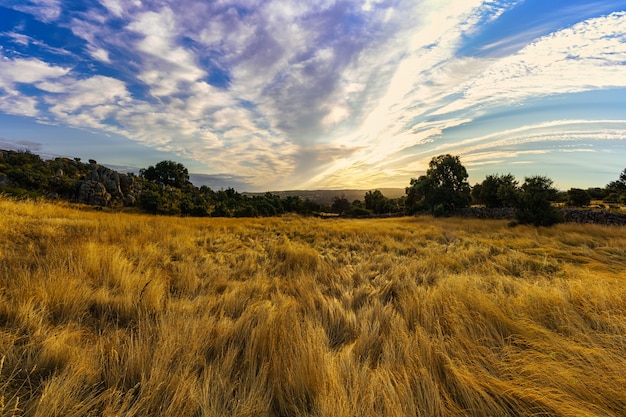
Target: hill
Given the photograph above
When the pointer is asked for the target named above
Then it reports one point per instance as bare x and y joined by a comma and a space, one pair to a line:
125, 314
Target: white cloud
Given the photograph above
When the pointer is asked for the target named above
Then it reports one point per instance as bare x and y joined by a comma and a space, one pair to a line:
89, 92
167, 64
114, 6
27, 71
11, 102
100, 54
17, 72
513, 146
85, 103
44, 10
589, 55
18, 38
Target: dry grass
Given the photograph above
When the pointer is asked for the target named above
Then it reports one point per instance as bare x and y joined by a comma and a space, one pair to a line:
129, 315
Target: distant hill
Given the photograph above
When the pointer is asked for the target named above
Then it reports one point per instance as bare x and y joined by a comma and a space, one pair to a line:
326, 196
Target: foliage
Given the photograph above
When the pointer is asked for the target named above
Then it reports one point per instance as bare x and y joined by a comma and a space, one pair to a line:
165, 189
151, 201
443, 189
534, 205
498, 191
377, 203
340, 205
137, 315
168, 173
578, 198
597, 193
162, 189
616, 190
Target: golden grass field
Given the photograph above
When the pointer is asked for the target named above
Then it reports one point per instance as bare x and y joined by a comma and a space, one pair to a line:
105, 314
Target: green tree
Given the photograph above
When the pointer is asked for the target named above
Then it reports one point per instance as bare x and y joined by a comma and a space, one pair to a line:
376, 202
443, 189
534, 202
498, 191
578, 198
617, 189
475, 193
340, 205
167, 172
597, 193
293, 204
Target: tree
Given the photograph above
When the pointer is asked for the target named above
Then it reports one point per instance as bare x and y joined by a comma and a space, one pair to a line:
578, 198
617, 189
340, 204
167, 172
534, 202
376, 202
597, 193
498, 191
622, 179
443, 189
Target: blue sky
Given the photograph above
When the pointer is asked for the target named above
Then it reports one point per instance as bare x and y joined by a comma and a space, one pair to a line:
288, 94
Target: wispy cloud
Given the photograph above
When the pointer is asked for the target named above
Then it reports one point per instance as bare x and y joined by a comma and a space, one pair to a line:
19, 144
590, 55
44, 10
18, 72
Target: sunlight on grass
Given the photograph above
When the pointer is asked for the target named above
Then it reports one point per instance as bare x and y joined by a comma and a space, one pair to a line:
125, 314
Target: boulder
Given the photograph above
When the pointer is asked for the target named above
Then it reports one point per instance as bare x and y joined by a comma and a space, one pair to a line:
93, 193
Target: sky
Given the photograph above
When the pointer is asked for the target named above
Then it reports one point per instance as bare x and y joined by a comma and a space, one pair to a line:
275, 95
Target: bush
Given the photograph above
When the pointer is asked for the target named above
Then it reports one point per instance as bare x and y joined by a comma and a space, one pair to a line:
578, 198
359, 211
534, 202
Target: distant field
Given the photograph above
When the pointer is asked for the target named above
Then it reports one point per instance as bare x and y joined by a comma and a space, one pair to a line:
327, 196
107, 314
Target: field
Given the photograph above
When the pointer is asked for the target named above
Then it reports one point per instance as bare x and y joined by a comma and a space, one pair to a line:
106, 314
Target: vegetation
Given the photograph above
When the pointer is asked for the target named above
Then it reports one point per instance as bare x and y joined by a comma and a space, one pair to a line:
497, 191
617, 189
161, 189
135, 315
578, 198
534, 202
24, 173
165, 189
168, 173
443, 189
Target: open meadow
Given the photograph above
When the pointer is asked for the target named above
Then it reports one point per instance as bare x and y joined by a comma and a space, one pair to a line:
112, 314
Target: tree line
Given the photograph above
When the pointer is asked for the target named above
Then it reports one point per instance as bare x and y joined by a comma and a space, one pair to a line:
444, 189
165, 188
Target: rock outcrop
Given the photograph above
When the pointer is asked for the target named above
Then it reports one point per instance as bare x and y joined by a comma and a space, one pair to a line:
106, 187
25, 173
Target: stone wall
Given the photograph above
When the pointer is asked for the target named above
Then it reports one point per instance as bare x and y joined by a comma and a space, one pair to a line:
594, 216
569, 214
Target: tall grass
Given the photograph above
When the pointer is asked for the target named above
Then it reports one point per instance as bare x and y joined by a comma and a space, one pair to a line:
131, 315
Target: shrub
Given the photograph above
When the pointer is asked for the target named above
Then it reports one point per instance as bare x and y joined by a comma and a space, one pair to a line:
534, 202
